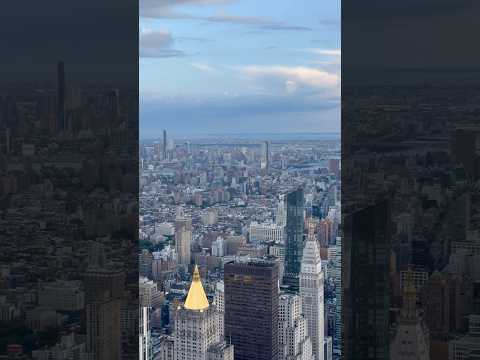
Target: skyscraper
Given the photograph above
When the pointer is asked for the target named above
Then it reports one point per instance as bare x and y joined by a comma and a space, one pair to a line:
366, 283
265, 158
195, 324
164, 144
144, 334
61, 90
158, 149
336, 275
311, 292
251, 309
146, 290
294, 340
294, 243
410, 340
183, 238
220, 307
104, 288
281, 213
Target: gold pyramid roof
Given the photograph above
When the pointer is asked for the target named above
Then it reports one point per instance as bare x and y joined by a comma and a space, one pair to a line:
196, 298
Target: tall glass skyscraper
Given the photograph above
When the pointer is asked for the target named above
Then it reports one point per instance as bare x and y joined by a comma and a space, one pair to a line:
366, 275
294, 242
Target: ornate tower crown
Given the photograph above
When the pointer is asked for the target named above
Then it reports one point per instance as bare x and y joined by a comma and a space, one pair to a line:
196, 298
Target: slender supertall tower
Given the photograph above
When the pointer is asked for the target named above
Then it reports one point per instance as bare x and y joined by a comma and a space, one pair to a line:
164, 144
294, 243
61, 89
311, 292
264, 162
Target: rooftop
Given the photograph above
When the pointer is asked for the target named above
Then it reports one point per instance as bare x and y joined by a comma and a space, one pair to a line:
196, 298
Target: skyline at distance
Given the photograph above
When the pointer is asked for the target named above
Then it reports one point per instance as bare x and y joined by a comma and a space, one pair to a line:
227, 66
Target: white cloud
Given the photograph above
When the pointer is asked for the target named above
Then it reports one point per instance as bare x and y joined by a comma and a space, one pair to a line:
157, 43
291, 86
324, 52
155, 38
203, 67
329, 63
293, 78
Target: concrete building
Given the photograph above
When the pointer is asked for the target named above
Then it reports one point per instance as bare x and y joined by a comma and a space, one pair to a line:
221, 351
166, 348
467, 346
144, 335
411, 339
294, 342
218, 247
104, 288
220, 307
147, 291
69, 347
195, 324
62, 296
266, 232
183, 238
209, 217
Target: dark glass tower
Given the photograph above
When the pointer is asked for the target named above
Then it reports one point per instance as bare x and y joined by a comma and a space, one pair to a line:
366, 283
294, 242
251, 309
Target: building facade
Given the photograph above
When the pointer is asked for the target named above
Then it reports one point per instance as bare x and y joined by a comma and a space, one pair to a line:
293, 339
266, 232
294, 238
312, 295
221, 351
251, 309
183, 239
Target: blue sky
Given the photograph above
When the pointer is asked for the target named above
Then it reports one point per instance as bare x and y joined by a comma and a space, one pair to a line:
212, 66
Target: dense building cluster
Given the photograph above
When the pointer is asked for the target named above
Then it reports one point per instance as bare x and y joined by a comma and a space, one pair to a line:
411, 223
240, 242
68, 213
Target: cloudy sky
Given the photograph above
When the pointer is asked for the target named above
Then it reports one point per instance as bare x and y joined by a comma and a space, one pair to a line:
213, 66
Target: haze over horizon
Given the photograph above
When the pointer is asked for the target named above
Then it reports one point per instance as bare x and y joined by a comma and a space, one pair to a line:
216, 66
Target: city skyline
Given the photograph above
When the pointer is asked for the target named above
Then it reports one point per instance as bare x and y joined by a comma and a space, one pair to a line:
224, 223
214, 180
